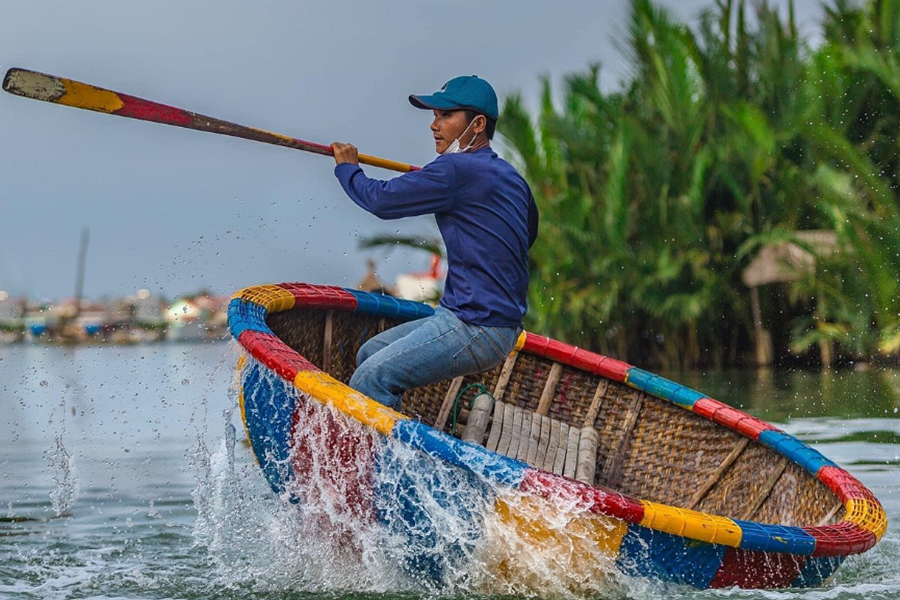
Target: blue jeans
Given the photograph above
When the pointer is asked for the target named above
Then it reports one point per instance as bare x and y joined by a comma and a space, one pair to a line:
425, 351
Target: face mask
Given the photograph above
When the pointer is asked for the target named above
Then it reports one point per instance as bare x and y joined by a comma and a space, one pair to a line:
453, 148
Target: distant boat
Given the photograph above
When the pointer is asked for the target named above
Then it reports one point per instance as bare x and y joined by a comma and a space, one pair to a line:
590, 463
36, 326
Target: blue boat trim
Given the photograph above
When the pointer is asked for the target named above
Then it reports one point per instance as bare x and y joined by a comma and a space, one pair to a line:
269, 419
246, 316
649, 553
795, 450
775, 538
663, 388
468, 456
388, 306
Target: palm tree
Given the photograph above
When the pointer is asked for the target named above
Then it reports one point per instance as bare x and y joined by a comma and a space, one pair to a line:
653, 198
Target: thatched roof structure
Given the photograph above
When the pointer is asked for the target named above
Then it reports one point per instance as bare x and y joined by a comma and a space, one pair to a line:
787, 261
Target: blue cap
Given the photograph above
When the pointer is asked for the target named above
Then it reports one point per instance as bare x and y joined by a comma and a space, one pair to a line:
468, 91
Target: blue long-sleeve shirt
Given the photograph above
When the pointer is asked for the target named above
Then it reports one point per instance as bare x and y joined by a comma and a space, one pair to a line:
487, 217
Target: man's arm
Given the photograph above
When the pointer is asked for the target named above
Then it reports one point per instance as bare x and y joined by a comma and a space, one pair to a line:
430, 190
533, 220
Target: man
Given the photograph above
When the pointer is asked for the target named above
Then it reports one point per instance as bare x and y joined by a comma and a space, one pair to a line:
488, 220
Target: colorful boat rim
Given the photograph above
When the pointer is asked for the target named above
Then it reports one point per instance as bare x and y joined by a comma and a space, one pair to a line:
746, 541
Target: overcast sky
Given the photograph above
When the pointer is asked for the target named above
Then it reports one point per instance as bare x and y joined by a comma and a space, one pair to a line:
175, 210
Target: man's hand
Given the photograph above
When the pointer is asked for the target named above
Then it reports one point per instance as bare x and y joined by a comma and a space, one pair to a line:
345, 153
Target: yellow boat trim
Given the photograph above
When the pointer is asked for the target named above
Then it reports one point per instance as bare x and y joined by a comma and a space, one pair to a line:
867, 514
691, 524
241, 363
81, 95
520, 343
271, 297
329, 390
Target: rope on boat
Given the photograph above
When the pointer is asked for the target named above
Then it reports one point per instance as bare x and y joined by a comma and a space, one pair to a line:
482, 390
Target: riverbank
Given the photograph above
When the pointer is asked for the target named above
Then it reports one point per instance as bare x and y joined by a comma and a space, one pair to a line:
140, 318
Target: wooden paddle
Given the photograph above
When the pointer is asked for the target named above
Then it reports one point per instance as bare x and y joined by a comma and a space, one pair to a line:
40, 86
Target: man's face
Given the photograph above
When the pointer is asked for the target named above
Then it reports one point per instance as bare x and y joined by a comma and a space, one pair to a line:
447, 126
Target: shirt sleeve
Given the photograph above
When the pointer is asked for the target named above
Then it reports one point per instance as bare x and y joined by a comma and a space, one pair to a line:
533, 220
430, 190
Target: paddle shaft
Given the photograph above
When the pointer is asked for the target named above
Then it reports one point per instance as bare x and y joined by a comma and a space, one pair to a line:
48, 88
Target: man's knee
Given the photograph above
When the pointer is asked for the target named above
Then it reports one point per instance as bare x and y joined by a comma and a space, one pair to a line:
375, 383
365, 351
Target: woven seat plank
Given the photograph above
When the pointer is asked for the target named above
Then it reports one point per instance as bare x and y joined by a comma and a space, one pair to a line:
560, 463
544, 443
507, 433
524, 436
586, 465
572, 452
516, 432
534, 439
496, 426
552, 445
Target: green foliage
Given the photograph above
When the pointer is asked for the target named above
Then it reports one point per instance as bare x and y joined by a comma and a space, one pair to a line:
387, 241
729, 136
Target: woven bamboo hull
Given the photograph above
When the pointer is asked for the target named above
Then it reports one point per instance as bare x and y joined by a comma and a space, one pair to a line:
683, 489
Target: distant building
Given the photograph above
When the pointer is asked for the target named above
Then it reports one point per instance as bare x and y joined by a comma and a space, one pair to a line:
12, 324
184, 320
197, 318
11, 310
148, 309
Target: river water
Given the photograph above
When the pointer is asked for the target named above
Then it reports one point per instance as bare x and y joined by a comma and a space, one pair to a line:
120, 478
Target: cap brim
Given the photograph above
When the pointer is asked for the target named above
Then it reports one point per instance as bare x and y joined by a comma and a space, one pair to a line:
433, 101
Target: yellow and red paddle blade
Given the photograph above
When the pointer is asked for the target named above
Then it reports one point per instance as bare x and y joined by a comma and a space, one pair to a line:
48, 88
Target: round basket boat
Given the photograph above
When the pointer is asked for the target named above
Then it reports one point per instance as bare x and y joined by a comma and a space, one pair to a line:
668, 483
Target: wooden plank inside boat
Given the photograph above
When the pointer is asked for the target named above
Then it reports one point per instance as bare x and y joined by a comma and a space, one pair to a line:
549, 388
496, 426
765, 490
613, 466
594, 408
560, 463
447, 405
643, 445
717, 475
505, 374
552, 446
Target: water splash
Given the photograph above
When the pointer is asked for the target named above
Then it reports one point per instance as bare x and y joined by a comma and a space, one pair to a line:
359, 512
65, 488
62, 463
